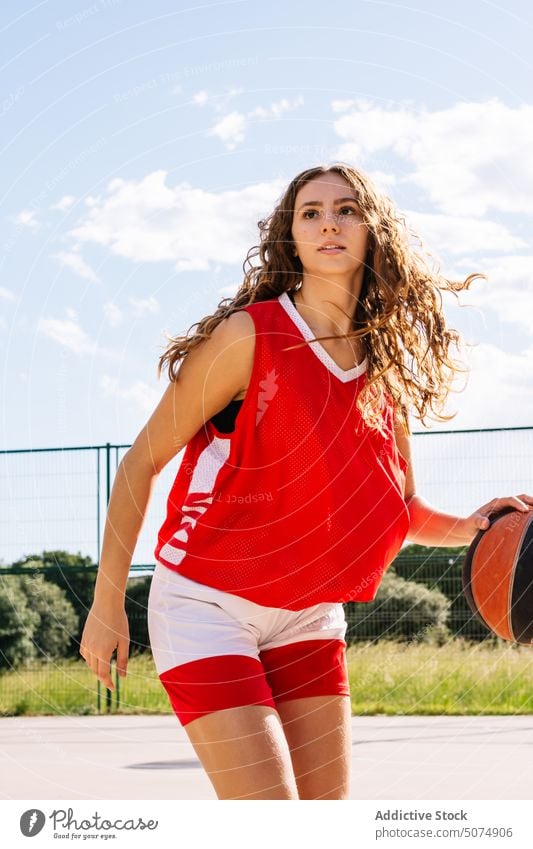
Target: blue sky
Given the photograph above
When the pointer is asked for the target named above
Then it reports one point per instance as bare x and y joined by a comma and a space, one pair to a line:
142, 142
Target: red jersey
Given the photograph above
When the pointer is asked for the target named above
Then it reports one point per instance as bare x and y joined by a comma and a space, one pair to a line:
302, 503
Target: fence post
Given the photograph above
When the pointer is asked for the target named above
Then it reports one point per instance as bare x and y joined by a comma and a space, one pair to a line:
108, 472
108, 496
98, 504
108, 692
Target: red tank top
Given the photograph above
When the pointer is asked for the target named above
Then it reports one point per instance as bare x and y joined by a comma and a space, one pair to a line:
302, 503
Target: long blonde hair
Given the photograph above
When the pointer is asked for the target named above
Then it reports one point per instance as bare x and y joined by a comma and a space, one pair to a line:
399, 316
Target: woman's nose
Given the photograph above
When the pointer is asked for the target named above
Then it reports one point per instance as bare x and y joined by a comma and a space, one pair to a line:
330, 217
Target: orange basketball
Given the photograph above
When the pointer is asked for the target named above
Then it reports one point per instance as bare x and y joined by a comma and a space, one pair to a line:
498, 575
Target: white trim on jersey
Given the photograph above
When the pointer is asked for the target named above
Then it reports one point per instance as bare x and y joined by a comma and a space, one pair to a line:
199, 497
343, 374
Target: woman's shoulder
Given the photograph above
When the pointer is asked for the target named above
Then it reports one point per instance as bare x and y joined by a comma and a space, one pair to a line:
264, 304
242, 324
262, 313
235, 328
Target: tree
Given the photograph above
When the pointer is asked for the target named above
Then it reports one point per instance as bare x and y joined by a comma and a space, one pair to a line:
17, 624
75, 575
72, 573
58, 621
401, 610
441, 568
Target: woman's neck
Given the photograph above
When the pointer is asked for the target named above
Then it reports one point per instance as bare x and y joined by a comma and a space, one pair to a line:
323, 314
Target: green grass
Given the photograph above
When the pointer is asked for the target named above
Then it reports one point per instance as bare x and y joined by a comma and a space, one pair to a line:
459, 678
69, 687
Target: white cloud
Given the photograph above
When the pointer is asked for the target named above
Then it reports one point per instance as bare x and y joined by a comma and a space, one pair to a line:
67, 333
453, 234
76, 263
148, 221
468, 158
91, 201
201, 98
508, 292
113, 315
229, 291
498, 392
142, 395
230, 129
65, 203
220, 102
382, 179
139, 307
6, 294
144, 305
276, 110
26, 218
342, 105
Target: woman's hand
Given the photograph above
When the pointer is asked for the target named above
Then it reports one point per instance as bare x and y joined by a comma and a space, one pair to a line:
106, 629
479, 520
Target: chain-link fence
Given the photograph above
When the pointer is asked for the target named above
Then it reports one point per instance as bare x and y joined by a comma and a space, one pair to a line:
53, 514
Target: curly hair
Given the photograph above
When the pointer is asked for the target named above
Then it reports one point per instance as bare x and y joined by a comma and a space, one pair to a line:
399, 315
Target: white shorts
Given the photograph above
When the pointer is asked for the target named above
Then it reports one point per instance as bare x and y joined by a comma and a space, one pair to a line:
214, 650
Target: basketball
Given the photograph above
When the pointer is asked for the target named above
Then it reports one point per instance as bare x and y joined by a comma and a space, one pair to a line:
498, 575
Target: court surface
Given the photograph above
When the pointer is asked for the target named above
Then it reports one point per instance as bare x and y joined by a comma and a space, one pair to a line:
150, 757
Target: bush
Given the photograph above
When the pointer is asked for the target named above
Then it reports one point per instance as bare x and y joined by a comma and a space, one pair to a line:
136, 603
441, 569
17, 625
36, 620
402, 610
75, 575
58, 621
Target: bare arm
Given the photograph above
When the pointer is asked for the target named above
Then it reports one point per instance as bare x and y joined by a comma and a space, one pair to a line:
209, 377
432, 527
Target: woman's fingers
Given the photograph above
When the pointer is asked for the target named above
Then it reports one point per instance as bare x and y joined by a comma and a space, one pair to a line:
122, 656
99, 666
519, 502
523, 503
105, 630
103, 673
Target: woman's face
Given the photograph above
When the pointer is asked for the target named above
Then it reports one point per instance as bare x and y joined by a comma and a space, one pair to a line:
326, 210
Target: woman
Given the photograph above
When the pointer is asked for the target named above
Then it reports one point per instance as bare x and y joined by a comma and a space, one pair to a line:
295, 492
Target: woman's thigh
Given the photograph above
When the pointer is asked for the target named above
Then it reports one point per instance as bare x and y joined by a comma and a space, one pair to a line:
318, 731
245, 753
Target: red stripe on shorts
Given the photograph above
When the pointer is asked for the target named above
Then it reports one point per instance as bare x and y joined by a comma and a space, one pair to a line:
307, 668
215, 683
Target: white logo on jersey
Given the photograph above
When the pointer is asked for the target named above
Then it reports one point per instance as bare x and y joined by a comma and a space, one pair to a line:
269, 387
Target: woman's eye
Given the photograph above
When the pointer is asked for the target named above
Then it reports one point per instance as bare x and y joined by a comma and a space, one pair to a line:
342, 209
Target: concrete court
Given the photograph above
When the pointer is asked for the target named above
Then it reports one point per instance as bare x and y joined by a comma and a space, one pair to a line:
150, 757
